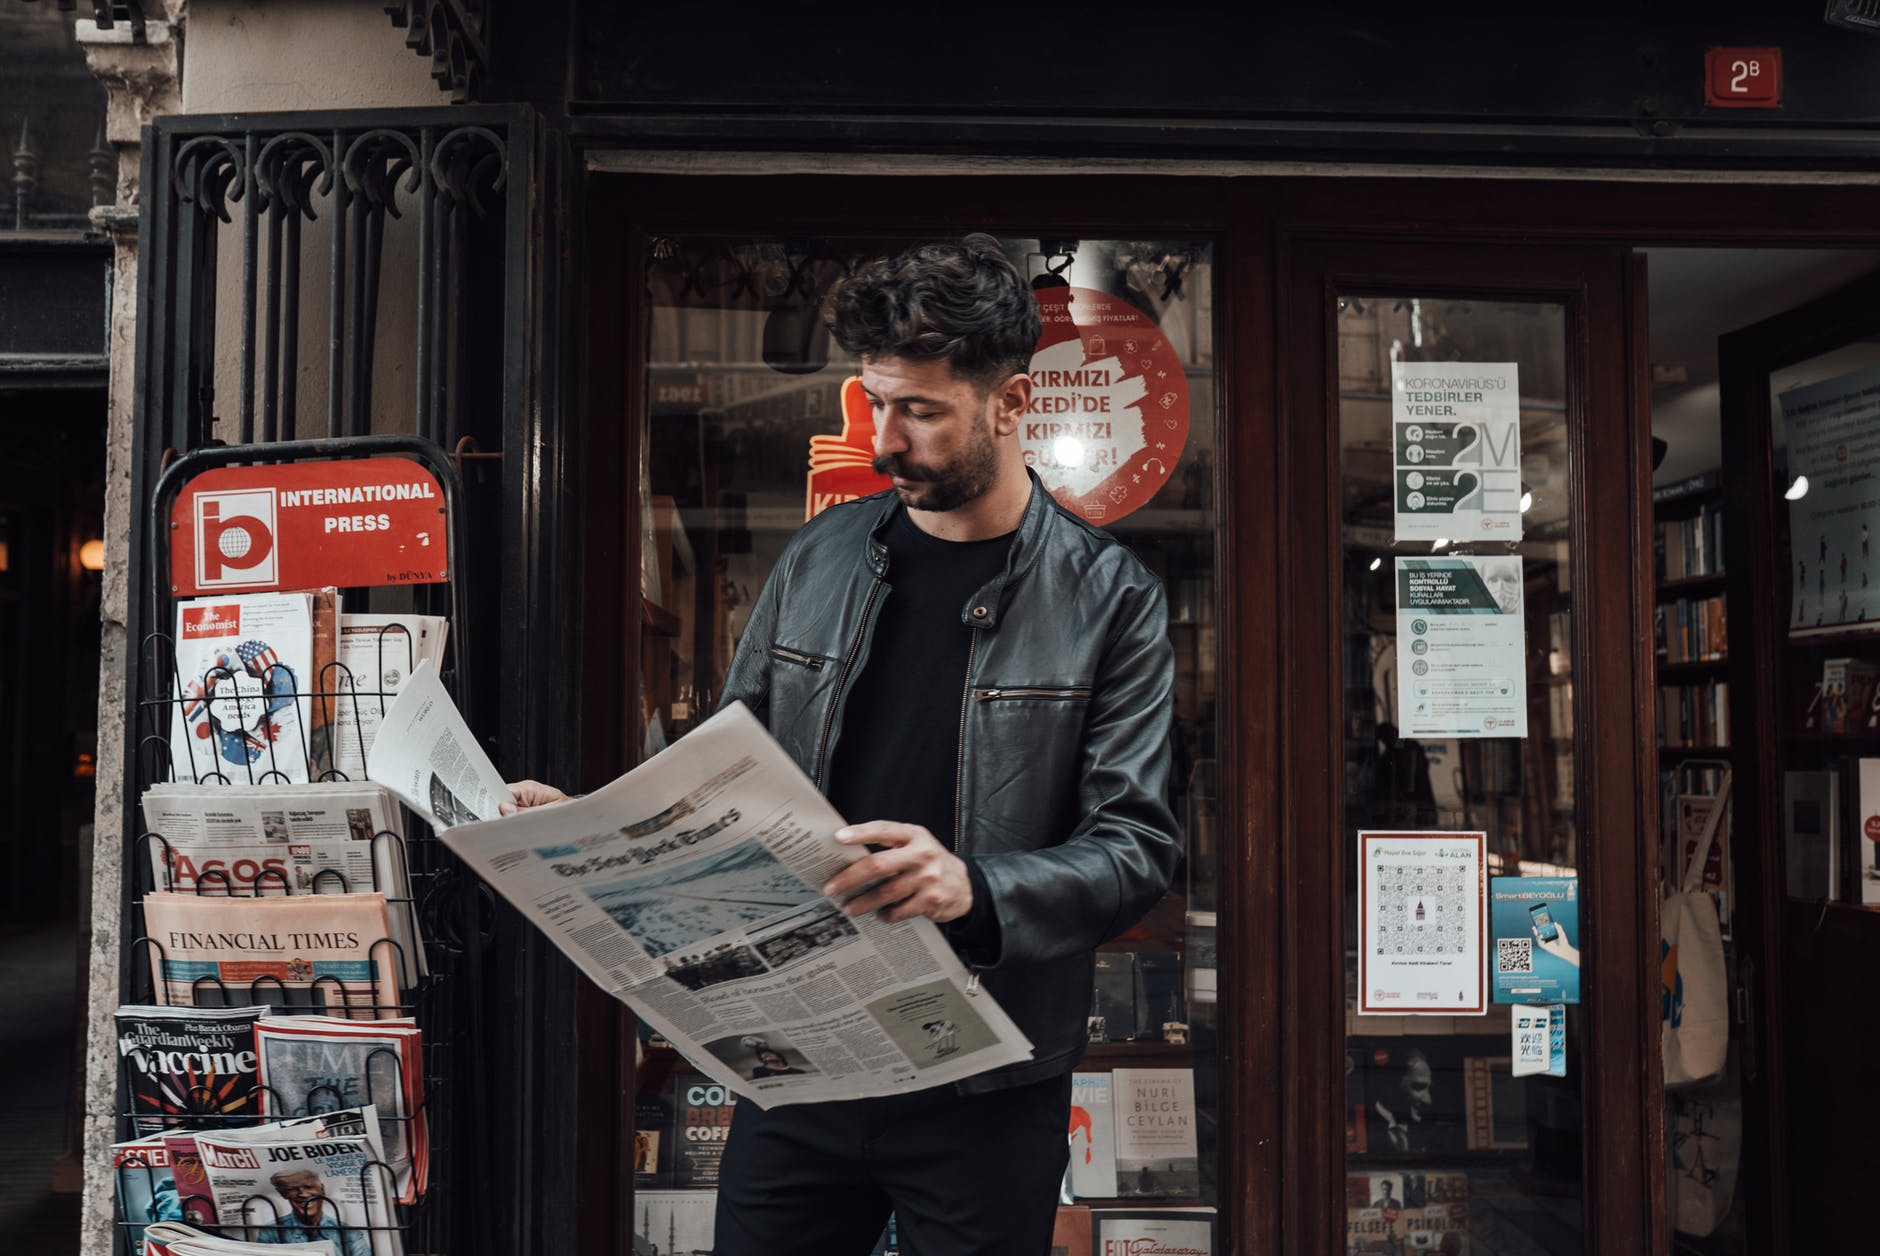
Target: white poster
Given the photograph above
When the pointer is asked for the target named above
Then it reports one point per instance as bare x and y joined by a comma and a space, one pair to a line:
1456, 450
1834, 441
1461, 647
1423, 931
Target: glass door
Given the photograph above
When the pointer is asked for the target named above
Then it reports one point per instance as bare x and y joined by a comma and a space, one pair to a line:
753, 423
1476, 842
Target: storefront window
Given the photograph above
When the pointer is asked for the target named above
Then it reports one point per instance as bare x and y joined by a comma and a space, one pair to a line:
1459, 772
749, 432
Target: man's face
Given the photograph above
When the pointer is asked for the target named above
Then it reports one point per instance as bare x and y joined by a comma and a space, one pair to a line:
303, 1194
934, 432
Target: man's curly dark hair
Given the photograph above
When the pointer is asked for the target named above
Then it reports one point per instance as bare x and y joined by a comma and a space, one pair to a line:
962, 303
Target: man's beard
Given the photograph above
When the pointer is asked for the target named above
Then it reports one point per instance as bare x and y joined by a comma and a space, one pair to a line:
961, 482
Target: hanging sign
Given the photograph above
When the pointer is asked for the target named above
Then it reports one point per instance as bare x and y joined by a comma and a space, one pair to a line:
306, 525
1106, 426
1422, 932
1456, 450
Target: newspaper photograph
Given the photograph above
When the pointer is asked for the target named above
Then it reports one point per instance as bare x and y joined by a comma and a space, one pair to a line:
428, 757
688, 888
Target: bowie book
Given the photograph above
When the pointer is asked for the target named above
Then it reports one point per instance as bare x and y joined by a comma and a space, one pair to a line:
1093, 1137
185, 1065
243, 664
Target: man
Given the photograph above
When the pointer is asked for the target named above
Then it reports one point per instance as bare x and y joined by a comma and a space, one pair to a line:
987, 680
311, 1216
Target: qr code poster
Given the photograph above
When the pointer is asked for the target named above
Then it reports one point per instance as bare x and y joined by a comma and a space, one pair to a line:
1535, 922
1424, 933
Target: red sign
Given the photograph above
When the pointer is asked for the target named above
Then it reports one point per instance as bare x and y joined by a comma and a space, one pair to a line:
1105, 428
1743, 78
305, 525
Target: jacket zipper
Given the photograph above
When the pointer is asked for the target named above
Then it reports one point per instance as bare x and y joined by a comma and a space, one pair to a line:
810, 661
990, 695
842, 677
959, 764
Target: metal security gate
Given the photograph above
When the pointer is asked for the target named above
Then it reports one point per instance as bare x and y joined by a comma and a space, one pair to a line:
326, 277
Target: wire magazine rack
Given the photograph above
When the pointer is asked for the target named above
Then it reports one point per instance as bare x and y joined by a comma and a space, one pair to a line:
435, 899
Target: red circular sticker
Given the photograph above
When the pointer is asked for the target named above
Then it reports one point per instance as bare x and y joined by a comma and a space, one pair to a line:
1109, 404
1873, 828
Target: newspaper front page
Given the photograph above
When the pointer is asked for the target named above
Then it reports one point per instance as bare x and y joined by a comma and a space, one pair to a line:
689, 889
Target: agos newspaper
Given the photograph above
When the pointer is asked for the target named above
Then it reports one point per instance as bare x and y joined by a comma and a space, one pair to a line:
689, 889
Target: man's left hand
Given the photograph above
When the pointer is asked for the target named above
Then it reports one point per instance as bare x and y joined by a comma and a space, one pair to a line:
917, 875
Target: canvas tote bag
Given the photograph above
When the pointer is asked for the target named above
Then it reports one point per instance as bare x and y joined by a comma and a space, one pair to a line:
1694, 999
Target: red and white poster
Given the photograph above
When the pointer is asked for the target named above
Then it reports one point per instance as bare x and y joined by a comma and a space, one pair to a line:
1109, 404
1105, 429
304, 525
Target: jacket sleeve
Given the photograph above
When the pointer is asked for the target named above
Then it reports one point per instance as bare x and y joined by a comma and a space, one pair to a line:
1119, 858
748, 680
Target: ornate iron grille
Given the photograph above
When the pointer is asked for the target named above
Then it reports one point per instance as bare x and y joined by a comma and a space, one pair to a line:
329, 277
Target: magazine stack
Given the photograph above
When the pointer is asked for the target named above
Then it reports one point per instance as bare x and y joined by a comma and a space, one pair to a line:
275, 1077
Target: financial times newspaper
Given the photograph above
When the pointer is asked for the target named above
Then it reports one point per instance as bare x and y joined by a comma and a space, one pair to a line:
689, 889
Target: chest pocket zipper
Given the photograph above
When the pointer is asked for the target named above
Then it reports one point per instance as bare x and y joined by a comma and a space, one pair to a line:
994, 695
810, 661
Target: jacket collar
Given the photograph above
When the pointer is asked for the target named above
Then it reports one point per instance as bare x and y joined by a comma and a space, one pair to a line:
984, 608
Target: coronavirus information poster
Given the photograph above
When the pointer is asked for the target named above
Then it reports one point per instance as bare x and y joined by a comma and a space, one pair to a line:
1456, 450
1461, 647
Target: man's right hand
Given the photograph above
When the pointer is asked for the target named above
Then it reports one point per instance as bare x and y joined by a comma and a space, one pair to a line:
530, 794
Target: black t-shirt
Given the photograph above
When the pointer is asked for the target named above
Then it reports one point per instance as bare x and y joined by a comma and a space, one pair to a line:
898, 754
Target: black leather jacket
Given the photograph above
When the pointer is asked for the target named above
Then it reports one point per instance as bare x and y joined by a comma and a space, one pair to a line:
1065, 711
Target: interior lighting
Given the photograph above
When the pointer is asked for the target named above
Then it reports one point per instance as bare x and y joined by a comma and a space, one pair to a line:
1527, 501
1441, 542
1376, 563
91, 555
1069, 451
1798, 490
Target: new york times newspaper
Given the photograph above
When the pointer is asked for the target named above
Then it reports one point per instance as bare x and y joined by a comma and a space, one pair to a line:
689, 889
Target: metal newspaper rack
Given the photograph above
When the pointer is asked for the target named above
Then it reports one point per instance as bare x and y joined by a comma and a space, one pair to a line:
441, 904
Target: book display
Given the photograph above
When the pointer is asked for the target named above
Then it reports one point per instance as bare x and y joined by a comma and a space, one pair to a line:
283, 946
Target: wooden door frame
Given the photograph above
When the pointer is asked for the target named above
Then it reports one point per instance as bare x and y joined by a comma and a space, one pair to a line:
1282, 1167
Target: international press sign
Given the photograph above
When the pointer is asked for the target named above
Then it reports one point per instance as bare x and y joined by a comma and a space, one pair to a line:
305, 525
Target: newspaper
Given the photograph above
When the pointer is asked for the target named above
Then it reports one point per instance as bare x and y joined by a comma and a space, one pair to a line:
307, 1063
322, 838
688, 889
243, 663
428, 757
305, 952
173, 1238
377, 653
184, 1064
296, 1187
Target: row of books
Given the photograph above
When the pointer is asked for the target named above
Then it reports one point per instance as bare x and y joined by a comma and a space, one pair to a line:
287, 687
1389, 1214
1694, 716
682, 1222
1684, 548
1691, 630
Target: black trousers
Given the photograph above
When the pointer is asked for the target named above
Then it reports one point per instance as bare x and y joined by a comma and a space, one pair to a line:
966, 1175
